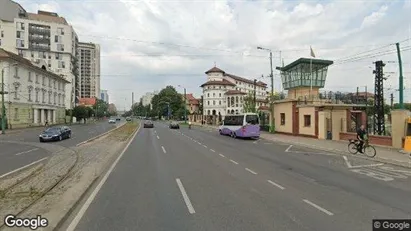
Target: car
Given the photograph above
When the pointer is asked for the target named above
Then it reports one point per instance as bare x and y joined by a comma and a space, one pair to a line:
112, 121
55, 133
148, 124
118, 119
128, 119
174, 125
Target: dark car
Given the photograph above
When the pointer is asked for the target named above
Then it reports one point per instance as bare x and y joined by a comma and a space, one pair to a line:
148, 124
174, 125
55, 133
118, 119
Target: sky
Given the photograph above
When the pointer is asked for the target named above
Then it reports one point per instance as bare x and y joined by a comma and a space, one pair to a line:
147, 45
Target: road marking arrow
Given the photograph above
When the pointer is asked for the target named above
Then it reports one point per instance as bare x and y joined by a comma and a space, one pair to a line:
349, 165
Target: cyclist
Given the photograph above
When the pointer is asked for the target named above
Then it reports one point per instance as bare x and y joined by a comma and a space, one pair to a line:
361, 134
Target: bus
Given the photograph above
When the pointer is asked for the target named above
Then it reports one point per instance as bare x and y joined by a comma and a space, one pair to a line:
245, 125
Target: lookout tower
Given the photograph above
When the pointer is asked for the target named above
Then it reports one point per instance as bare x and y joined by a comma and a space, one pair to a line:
304, 77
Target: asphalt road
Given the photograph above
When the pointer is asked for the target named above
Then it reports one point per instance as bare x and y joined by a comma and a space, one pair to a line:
22, 152
198, 180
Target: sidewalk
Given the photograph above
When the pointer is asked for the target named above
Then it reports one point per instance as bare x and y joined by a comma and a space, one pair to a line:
384, 154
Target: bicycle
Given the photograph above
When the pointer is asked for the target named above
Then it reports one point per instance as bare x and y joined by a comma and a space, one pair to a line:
368, 149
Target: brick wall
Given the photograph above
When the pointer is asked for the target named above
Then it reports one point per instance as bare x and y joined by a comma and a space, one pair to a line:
378, 140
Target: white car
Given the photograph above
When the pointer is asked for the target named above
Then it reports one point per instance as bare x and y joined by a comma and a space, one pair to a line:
112, 121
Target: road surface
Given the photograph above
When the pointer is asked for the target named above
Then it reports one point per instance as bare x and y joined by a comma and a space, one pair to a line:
198, 180
20, 154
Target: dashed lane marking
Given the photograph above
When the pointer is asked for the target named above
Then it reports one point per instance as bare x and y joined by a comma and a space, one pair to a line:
318, 207
221, 155
276, 185
251, 171
234, 162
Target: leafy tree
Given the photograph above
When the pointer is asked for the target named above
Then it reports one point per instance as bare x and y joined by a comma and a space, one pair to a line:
80, 112
90, 112
249, 105
200, 106
166, 96
100, 108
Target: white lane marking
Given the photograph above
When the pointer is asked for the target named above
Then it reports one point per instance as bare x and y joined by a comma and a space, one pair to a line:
25, 166
251, 171
199, 143
205, 146
212, 150
288, 149
369, 165
221, 155
34, 149
267, 143
185, 197
347, 162
255, 142
89, 200
164, 150
234, 162
318, 207
276, 185
158, 137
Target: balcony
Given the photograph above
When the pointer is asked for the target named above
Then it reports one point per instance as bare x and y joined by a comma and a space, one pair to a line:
39, 39
39, 31
39, 47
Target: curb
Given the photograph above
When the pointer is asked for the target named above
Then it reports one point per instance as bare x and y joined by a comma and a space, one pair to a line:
376, 158
98, 136
83, 195
76, 203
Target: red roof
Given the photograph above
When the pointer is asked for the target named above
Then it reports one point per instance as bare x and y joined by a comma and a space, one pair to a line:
191, 99
215, 69
263, 108
224, 82
87, 101
235, 92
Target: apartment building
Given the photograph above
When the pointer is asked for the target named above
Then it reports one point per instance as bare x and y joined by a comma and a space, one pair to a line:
224, 93
146, 99
42, 37
89, 70
34, 95
104, 96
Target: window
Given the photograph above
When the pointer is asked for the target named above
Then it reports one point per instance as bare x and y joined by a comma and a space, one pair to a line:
54, 101
19, 43
54, 84
282, 118
233, 120
213, 94
62, 64
16, 88
228, 102
60, 47
30, 77
57, 56
44, 81
307, 120
16, 113
208, 102
30, 90
37, 78
16, 72
56, 39
2, 34
37, 95
213, 102
50, 97
20, 34
219, 102
220, 94
49, 82
44, 97
252, 119
60, 31
208, 94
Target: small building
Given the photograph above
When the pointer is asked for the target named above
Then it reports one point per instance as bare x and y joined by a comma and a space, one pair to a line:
307, 112
33, 95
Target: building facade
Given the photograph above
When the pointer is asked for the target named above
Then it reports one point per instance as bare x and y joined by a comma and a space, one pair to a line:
89, 70
225, 93
41, 37
33, 94
146, 99
192, 104
104, 96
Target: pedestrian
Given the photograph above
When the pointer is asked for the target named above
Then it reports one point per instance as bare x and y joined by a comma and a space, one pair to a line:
46, 123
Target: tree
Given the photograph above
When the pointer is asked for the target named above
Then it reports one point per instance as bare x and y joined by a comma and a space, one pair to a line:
166, 96
249, 105
100, 108
200, 106
80, 112
90, 112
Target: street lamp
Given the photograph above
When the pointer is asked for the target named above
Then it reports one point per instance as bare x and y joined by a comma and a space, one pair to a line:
3, 107
272, 83
185, 104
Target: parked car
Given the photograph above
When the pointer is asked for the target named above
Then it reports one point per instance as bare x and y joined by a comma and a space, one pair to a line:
55, 133
148, 124
118, 119
112, 121
174, 125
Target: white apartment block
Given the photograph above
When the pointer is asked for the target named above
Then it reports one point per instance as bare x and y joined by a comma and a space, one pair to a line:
224, 93
33, 94
44, 36
146, 99
104, 96
89, 70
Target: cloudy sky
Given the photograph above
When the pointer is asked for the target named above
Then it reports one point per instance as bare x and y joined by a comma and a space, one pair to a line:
147, 45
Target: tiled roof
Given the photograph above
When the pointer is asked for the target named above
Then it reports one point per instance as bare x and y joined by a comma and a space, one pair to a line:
224, 82
17, 58
235, 92
238, 78
47, 17
87, 101
263, 108
215, 69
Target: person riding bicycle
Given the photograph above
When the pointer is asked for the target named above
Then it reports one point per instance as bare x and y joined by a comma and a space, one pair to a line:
361, 136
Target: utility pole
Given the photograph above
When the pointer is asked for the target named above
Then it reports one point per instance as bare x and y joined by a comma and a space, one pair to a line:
185, 106
255, 93
358, 94
392, 100
366, 108
379, 116
3, 106
401, 78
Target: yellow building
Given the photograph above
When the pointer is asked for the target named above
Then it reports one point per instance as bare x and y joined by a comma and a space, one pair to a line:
306, 112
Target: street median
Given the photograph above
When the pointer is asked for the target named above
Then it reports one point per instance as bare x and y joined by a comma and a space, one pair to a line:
53, 189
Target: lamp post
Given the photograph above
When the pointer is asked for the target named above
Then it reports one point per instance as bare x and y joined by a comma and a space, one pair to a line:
185, 104
272, 85
3, 106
